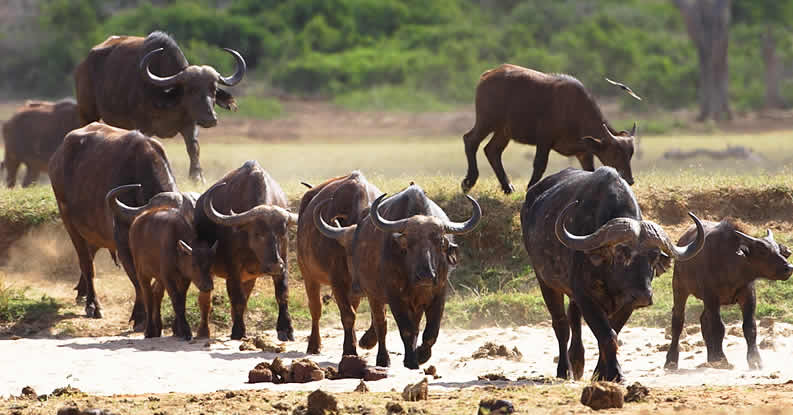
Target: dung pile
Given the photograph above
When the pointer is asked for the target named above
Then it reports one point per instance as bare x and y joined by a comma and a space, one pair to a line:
491, 349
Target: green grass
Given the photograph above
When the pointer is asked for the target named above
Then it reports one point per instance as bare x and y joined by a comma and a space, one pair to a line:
391, 98
31, 206
16, 305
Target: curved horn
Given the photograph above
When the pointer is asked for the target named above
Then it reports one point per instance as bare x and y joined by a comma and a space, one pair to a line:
456, 228
291, 218
614, 231
747, 237
653, 234
769, 235
110, 198
609, 135
332, 232
239, 73
154, 79
383, 224
237, 219
307, 185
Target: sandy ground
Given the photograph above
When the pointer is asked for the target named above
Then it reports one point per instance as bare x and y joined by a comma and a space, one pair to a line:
133, 365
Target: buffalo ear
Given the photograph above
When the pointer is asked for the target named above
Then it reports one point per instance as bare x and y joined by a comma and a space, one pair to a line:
784, 251
452, 251
225, 100
184, 248
743, 250
592, 144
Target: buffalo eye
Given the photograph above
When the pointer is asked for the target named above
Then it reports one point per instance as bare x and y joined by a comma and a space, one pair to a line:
784, 251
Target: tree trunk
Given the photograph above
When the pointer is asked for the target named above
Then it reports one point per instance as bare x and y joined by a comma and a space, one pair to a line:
772, 97
707, 22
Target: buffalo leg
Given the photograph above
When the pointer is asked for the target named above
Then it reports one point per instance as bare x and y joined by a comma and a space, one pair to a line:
152, 329
434, 314
31, 175
408, 330
678, 321
493, 150
121, 236
540, 164
190, 135
713, 331
85, 253
315, 307
205, 305
576, 351
347, 312
472, 140
606, 337
381, 328
283, 325
157, 292
12, 166
177, 290
617, 322
748, 303
554, 301
587, 161
238, 304
81, 290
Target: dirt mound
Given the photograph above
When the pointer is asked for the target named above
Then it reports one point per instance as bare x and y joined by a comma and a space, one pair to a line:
603, 395
491, 349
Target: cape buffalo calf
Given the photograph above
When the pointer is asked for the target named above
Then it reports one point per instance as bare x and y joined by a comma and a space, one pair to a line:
586, 239
164, 247
147, 84
724, 274
549, 111
92, 161
252, 243
33, 134
402, 258
323, 261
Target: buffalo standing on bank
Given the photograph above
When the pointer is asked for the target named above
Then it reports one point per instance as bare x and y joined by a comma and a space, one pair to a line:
549, 111
147, 84
724, 274
586, 239
402, 257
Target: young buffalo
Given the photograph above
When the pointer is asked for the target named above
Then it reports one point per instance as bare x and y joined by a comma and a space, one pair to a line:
402, 258
723, 274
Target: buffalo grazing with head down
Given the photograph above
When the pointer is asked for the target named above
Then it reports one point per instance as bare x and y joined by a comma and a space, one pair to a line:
323, 261
586, 239
723, 274
91, 162
549, 111
401, 254
246, 212
33, 134
147, 84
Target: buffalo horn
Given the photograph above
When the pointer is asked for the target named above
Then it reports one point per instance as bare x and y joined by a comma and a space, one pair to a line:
747, 237
237, 219
456, 228
614, 231
333, 232
164, 82
385, 225
654, 235
239, 73
110, 198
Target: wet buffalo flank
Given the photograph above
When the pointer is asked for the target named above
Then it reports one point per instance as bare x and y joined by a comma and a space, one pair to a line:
323, 261
92, 161
246, 212
606, 274
33, 134
549, 111
723, 274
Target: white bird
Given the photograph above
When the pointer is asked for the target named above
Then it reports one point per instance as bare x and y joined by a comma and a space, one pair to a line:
625, 87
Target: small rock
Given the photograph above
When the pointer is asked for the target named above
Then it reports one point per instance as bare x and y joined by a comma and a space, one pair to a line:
322, 403
416, 392
372, 374
352, 366
392, 408
28, 393
302, 371
767, 343
495, 406
735, 331
636, 392
603, 395
362, 387
663, 347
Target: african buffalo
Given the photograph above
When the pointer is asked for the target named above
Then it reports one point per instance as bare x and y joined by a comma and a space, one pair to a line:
92, 161
33, 133
724, 274
147, 84
549, 111
607, 271
402, 258
253, 242
323, 261
164, 246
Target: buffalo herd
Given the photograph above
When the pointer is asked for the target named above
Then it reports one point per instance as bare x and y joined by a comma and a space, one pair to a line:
583, 229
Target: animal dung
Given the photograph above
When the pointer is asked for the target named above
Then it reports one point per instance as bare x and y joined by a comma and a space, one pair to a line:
636, 392
495, 406
603, 395
261, 343
416, 391
362, 388
491, 349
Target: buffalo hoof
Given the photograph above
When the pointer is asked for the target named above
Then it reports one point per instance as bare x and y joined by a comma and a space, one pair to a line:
423, 353
286, 336
92, 311
411, 364
197, 176
139, 327
368, 340
383, 361
187, 335
80, 299
203, 333
669, 365
467, 185
507, 188
755, 363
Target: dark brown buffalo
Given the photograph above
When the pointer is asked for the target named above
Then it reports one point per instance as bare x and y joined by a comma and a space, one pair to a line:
33, 133
323, 261
164, 247
723, 274
404, 259
587, 240
549, 111
253, 242
146, 84
92, 161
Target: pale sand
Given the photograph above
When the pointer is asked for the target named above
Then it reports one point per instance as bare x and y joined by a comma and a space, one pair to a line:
133, 365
